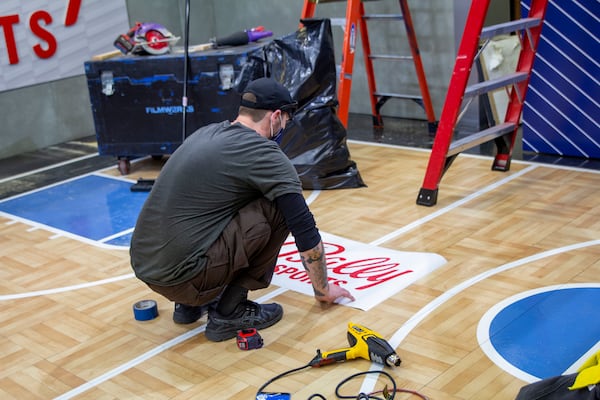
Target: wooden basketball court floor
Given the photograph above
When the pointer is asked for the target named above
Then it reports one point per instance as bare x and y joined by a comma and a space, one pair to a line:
67, 328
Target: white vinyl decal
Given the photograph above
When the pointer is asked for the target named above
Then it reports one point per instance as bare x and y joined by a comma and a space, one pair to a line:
371, 273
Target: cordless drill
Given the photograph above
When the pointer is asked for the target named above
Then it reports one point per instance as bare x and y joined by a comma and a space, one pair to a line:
364, 343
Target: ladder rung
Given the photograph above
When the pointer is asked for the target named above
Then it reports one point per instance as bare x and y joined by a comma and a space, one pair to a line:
398, 95
384, 16
331, 1
389, 57
489, 32
478, 138
493, 84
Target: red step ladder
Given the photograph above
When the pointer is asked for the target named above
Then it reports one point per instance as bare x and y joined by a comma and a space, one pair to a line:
356, 19
444, 150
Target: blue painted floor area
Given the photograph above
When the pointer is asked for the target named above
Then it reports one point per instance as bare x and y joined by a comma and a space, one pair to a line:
546, 333
94, 207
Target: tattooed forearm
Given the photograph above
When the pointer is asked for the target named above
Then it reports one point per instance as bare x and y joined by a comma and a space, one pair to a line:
315, 264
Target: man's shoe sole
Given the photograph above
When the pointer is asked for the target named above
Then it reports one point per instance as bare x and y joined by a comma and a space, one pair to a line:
230, 334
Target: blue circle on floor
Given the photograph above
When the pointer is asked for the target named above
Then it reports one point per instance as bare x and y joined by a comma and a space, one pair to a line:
544, 332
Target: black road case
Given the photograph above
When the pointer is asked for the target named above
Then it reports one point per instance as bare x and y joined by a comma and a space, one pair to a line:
137, 101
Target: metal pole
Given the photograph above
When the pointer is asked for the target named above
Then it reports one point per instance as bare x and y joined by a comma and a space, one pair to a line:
186, 36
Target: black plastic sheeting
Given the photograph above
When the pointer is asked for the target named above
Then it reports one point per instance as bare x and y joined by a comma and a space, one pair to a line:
315, 140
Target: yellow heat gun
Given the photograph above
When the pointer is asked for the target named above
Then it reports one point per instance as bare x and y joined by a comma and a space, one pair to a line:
364, 343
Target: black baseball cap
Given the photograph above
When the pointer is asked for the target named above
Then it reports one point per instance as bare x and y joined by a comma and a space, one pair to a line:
270, 95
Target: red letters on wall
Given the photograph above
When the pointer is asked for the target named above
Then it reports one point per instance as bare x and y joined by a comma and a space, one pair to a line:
40, 25
7, 23
73, 7
36, 29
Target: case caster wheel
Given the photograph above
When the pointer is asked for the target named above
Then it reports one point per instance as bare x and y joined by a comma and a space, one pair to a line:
124, 166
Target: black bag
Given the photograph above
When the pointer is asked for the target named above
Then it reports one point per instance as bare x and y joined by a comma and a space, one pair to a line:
315, 140
557, 388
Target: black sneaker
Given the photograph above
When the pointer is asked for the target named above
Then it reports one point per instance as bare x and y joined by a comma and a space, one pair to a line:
247, 315
185, 314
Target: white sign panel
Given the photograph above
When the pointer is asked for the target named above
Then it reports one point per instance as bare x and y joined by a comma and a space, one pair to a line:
371, 273
46, 40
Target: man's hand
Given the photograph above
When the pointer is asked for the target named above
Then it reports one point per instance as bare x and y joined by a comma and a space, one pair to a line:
334, 292
316, 266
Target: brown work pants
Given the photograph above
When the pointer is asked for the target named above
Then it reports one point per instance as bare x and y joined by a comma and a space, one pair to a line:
244, 255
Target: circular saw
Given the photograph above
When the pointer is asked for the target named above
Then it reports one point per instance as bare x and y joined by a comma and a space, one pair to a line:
146, 38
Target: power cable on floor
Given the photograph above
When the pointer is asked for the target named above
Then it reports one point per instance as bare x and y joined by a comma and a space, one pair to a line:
389, 394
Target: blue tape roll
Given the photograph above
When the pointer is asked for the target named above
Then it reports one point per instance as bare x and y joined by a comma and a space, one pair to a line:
145, 310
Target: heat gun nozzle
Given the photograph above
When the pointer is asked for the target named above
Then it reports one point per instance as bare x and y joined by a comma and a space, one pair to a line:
393, 360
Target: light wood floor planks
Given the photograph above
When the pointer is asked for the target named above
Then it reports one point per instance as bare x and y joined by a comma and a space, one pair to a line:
85, 343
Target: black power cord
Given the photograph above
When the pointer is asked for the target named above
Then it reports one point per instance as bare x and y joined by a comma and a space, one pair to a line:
388, 394
362, 396
291, 371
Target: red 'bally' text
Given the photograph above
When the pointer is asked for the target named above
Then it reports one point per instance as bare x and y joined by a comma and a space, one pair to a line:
368, 272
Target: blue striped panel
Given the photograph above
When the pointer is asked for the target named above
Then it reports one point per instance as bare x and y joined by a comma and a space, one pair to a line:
561, 115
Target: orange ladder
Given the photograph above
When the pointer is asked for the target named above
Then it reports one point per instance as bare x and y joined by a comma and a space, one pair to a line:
475, 38
356, 20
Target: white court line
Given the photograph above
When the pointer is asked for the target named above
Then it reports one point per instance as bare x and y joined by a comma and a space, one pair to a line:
583, 359
45, 292
61, 164
450, 207
35, 171
116, 235
424, 312
47, 186
59, 232
482, 157
157, 350
100, 242
64, 289
313, 196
